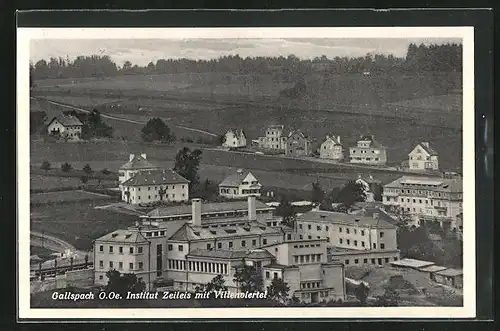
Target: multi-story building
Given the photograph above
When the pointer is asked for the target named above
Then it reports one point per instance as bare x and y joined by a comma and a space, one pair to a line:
428, 198
370, 185
275, 138
352, 239
297, 144
240, 185
368, 151
423, 158
155, 185
303, 265
135, 164
331, 149
234, 138
66, 127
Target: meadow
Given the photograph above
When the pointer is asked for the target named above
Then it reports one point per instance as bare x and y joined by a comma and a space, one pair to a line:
65, 196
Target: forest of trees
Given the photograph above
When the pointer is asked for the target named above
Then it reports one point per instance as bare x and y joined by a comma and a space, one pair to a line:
419, 58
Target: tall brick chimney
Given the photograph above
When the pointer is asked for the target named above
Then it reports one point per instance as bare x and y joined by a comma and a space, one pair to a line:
196, 211
252, 214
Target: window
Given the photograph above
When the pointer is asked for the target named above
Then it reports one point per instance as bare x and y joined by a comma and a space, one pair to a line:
373, 261
140, 265
362, 232
326, 228
180, 248
355, 243
230, 244
381, 235
243, 243
209, 246
347, 230
362, 244
275, 275
120, 250
101, 277
219, 245
264, 241
131, 250
348, 242
300, 226
101, 264
170, 247
111, 264
365, 260
120, 265
356, 261
131, 266
111, 249
309, 226
267, 275
346, 261
318, 227
374, 245
382, 246
386, 260
140, 250
254, 242
340, 229
101, 248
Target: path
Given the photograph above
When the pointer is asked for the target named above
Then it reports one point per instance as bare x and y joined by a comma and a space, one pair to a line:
50, 242
120, 118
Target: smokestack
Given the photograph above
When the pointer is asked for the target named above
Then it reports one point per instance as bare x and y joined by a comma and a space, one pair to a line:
251, 208
143, 156
338, 139
196, 212
131, 157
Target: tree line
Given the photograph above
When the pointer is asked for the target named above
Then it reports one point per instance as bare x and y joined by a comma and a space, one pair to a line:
433, 57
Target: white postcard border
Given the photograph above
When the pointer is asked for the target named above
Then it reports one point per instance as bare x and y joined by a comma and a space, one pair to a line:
24, 35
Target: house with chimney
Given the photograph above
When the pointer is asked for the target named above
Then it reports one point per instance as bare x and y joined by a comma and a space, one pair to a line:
331, 149
135, 164
368, 151
423, 158
234, 138
155, 185
67, 127
179, 253
297, 144
240, 185
354, 240
274, 139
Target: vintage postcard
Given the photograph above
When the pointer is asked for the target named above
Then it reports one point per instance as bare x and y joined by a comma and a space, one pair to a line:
323, 172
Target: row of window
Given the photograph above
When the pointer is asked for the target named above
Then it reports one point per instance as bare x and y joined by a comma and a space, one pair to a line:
156, 196
306, 245
347, 230
252, 191
217, 215
112, 265
363, 151
268, 275
366, 158
111, 249
228, 191
308, 258
379, 260
199, 266
310, 285
157, 189
355, 242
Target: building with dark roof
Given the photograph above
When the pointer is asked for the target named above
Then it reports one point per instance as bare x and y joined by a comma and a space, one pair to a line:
368, 151
135, 164
234, 138
155, 185
423, 158
274, 139
298, 144
240, 185
66, 127
331, 148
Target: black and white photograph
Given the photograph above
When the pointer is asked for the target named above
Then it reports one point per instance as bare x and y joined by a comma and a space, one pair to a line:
271, 170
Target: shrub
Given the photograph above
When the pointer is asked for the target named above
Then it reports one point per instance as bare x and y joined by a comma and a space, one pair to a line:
105, 171
87, 169
66, 167
45, 165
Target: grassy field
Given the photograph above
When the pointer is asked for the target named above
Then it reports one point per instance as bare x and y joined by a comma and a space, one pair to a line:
41, 182
77, 222
66, 196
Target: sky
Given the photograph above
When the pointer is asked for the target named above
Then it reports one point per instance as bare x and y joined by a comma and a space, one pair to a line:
143, 51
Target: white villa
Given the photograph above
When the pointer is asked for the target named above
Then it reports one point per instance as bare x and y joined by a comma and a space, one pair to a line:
423, 157
331, 148
240, 185
67, 126
234, 138
135, 164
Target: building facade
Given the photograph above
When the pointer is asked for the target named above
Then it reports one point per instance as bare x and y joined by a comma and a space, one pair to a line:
136, 163
234, 138
155, 185
352, 239
428, 198
423, 158
275, 138
297, 144
240, 185
368, 151
332, 149
66, 127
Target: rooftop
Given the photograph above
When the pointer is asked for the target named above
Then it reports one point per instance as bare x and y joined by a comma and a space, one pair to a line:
206, 208
444, 184
138, 162
411, 263
450, 272
345, 219
123, 236
155, 177
234, 180
232, 255
432, 268
192, 232
333, 139
428, 148
236, 132
67, 120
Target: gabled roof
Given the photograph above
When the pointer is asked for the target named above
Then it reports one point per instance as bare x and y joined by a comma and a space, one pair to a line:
155, 177
453, 185
138, 162
428, 148
67, 120
371, 138
213, 207
235, 180
237, 132
124, 236
332, 139
232, 255
345, 219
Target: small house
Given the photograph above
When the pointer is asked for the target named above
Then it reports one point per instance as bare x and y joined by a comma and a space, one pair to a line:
331, 148
66, 127
423, 157
234, 138
239, 185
